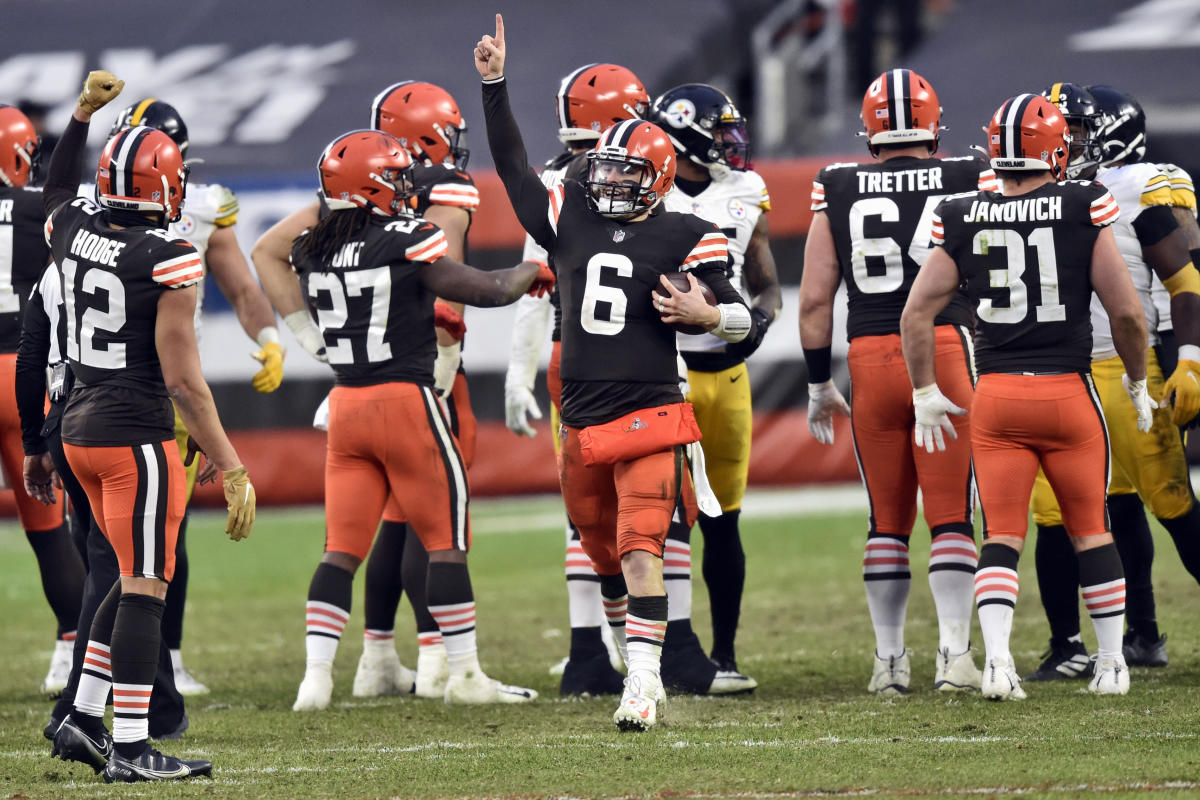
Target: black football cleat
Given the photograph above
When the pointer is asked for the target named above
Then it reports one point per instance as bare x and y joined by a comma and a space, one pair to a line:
153, 766
1062, 661
685, 668
591, 675
1143, 652
72, 743
52, 727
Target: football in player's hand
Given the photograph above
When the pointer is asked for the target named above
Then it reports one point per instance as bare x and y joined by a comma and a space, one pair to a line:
680, 281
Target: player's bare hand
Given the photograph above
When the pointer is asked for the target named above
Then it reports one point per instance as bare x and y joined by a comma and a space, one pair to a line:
489, 53
39, 476
100, 88
688, 308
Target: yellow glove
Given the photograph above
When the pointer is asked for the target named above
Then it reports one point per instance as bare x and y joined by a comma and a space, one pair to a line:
270, 376
99, 89
1184, 383
239, 497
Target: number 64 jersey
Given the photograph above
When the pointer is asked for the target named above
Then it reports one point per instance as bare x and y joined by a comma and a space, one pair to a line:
879, 215
1026, 261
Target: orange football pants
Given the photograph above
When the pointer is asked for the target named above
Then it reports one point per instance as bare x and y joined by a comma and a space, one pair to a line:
33, 515
622, 507
138, 495
1021, 421
892, 465
465, 429
393, 438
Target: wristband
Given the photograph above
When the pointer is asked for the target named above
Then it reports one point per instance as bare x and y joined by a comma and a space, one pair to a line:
267, 335
1185, 281
820, 364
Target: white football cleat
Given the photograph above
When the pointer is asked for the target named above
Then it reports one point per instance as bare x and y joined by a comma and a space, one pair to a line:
476, 688
381, 674
187, 685
891, 675
433, 671
60, 667
1112, 676
956, 673
316, 690
728, 681
640, 701
1000, 681
560, 667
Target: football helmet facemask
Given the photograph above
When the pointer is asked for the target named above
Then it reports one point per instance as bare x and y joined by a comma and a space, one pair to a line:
141, 170
1122, 132
367, 169
631, 169
1029, 133
704, 125
1084, 119
901, 107
20, 147
154, 113
426, 120
596, 96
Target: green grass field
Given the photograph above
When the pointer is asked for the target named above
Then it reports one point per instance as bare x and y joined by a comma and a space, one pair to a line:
810, 729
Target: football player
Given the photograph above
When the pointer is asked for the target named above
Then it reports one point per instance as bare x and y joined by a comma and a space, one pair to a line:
589, 100
129, 305
1150, 469
1031, 256
425, 119
713, 180
611, 246
22, 261
871, 228
370, 269
208, 220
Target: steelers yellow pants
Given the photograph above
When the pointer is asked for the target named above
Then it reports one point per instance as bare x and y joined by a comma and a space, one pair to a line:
181, 438
722, 404
1151, 464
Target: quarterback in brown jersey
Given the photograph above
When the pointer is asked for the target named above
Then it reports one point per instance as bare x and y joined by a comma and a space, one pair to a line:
871, 229
1030, 257
129, 300
624, 420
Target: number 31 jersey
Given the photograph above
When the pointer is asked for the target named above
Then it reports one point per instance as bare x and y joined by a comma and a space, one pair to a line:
1027, 261
112, 280
879, 214
374, 312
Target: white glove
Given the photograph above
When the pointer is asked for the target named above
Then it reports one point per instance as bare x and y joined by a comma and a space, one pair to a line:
706, 498
445, 368
823, 400
1143, 403
307, 334
931, 408
321, 416
519, 408
685, 388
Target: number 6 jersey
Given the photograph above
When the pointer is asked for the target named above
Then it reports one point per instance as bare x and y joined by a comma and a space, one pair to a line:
879, 215
112, 279
1026, 261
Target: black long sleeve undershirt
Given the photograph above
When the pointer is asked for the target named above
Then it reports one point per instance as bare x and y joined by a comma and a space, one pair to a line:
32, 354
525, 189
66, 167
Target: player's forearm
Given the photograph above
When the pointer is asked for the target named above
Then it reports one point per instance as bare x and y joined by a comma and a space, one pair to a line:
917, 344
193, 398
1185, 317
279, 282
253, 310
816, 321
66, 165
1129, 339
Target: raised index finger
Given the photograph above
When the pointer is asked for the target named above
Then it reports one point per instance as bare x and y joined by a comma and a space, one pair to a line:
500, 30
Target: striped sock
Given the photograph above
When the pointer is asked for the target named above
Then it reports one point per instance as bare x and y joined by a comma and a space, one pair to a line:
615, 611
456, 622
887, 579
326, 614
1103, 582
677, 569
996, 596
378, 642
645, 629
952, 563
429, 640
131, 707
583, 585
95, 680
136, 639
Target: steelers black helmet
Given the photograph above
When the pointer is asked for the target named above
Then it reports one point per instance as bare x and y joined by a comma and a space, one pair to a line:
1084, 117
154, 113
1122, 132
704, 125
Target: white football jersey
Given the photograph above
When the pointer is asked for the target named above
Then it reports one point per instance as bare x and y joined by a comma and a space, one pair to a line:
734, 205
1183, 195
1135, 187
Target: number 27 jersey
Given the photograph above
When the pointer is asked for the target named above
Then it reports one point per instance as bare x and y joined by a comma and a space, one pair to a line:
1026, 261
879, 215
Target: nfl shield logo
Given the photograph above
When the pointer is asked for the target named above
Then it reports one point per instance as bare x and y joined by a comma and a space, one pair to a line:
618, 235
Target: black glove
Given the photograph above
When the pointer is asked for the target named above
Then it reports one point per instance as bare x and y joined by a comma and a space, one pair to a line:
759, 322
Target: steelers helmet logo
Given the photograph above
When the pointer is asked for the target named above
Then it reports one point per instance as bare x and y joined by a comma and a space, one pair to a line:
186, 225
681, 113
737, 209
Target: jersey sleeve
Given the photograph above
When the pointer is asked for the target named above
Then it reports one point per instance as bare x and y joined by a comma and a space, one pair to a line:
226, 203
711, 250
178, 265
1183, 192
756, 191
427, 244
455, 189
1156, 191
818, 191
1103, 209
988, 182
937, 231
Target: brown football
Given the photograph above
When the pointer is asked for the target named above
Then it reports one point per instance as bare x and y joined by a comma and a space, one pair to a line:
680, 281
